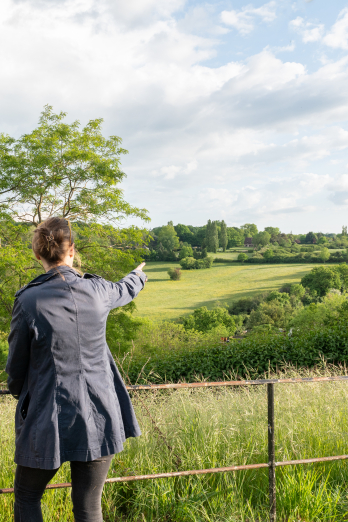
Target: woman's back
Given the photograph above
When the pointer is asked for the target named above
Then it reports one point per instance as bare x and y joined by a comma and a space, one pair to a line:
73, 404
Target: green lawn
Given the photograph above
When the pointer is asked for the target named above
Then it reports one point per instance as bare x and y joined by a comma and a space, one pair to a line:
165, 299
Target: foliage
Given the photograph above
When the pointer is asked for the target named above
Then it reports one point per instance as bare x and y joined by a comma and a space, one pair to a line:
190, 263
311, 237
168, 237
246, 305
318, 315
212, 238
249, 229
186, 251
273, 231
325, 254
273, 312
242, 257
321, 279
297, 290
235, 237
174, 274
61, 170
204, 320
261, 239
184, 233
223, 239
256, 353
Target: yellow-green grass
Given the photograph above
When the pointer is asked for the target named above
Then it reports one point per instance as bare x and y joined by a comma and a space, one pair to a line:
209, 428
164, 299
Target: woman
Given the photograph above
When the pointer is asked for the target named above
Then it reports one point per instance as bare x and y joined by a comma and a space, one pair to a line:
72, 403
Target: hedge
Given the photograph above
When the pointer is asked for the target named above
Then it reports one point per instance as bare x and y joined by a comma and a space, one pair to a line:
250, 356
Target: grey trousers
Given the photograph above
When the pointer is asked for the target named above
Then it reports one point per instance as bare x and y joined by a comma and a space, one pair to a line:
87, 479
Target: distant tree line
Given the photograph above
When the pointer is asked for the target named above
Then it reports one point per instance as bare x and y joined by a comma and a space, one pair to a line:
171, 242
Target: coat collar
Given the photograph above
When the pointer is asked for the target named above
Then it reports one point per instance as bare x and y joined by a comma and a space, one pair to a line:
42, 278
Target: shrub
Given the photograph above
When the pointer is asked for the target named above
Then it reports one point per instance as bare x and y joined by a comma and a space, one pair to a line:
249, 357
242, 257
272, 313
189, 263
223, 260
186, 251
320, 279
203, 320
246, 304
174, 274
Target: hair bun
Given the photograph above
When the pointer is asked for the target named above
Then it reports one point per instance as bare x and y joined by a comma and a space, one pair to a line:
52, 239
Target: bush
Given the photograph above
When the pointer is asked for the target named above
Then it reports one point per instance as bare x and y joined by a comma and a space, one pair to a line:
242, 257
203, 320
174, 274
321, 279
246, 304
223, 260
272, 313
249, 357
186, 251
189, 263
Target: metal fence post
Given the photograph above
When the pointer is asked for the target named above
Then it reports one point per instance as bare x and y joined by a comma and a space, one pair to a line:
271, 454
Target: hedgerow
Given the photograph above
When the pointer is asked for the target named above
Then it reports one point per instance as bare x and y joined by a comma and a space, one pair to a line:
251, 356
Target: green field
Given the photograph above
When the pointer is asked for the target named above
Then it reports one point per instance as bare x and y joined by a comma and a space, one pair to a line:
223, 283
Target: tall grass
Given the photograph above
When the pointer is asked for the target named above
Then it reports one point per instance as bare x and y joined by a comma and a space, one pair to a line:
217, 427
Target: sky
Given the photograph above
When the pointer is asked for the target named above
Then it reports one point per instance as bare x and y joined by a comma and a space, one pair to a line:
229, 110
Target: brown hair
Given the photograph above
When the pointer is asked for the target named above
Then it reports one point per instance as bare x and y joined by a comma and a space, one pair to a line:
52, 239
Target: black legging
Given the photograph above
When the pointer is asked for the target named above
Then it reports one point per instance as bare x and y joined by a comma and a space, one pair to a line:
87, 479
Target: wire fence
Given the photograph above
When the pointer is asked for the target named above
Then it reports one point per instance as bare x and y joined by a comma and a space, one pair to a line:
271, 464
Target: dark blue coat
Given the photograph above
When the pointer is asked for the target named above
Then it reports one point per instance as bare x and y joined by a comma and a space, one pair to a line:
73, 404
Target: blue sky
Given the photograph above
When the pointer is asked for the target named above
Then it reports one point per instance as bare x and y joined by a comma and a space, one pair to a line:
230, 110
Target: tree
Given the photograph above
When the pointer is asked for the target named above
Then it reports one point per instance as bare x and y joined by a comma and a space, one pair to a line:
212, 238
184, 233
268, 254
61, 170
223, 236
168, 237
273, 231
186, 251
321, 279
261, 239
297, 290
204, 320
325, 254
249, 229
58, 170
242, 257
271, 313
323, 240
311, 238
235, 237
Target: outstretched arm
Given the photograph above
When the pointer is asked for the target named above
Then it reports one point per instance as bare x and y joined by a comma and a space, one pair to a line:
125, 290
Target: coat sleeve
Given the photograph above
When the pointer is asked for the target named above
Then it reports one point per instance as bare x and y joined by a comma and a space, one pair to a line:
125, 290
19, 351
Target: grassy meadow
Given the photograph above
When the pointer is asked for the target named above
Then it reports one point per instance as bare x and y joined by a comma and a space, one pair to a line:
211, 428
164, 299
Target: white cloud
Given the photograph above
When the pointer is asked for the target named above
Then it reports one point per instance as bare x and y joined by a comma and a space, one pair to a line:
244, 20
338, 36
310, 32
